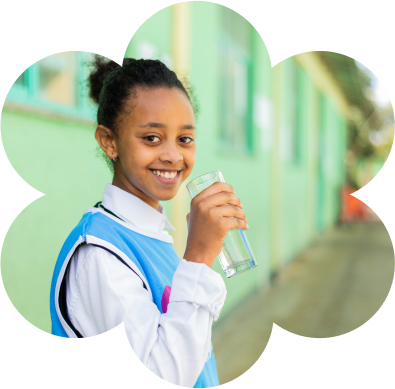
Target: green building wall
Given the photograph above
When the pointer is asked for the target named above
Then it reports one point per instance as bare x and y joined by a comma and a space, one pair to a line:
288, 179
56, 157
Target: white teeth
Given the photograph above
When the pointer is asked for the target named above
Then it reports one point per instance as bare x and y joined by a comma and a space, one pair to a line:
167, 175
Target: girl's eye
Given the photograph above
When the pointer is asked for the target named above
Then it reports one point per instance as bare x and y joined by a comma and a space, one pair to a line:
154, 136
187, 137
151, 136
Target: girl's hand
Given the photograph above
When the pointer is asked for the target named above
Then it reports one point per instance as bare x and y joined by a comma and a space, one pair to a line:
214, 212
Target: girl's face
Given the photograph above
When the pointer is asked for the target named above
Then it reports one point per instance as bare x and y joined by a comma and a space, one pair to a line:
155, 145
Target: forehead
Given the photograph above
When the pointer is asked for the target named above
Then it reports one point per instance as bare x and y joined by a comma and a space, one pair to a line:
171, 107
161, 103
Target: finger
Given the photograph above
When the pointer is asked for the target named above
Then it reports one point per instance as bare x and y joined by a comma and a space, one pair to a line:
231, 211
235, 223
217, 187
223, 198
188, 216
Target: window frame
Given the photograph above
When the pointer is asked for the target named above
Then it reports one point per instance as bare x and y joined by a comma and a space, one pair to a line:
227, 45
27, 96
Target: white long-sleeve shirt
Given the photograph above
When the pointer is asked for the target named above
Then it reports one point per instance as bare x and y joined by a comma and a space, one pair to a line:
102, 292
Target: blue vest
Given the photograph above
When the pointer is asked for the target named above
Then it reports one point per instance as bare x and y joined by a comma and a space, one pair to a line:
153, 260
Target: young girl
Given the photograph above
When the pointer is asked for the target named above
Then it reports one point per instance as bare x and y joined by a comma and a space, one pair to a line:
119, 263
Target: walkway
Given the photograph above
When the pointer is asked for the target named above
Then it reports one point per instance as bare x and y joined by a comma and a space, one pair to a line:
333, 287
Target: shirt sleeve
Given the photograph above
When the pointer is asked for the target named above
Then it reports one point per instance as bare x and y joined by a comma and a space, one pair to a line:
102, 293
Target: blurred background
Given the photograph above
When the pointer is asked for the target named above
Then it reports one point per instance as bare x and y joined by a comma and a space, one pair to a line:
294, 141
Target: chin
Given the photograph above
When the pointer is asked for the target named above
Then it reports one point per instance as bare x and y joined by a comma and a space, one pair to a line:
167, 197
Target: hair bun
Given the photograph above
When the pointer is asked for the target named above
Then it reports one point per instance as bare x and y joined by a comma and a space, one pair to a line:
101, 67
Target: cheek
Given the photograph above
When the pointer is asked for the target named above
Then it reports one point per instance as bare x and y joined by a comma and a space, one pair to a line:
190, 156
136, 156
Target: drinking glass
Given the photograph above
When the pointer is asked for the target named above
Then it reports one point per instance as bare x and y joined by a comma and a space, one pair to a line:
236, 255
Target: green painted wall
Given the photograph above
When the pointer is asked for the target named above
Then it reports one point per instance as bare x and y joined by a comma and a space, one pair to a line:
56, 157
244, 171
319, 168
293, 170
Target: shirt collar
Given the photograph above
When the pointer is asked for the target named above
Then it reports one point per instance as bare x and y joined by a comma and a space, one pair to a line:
134, 210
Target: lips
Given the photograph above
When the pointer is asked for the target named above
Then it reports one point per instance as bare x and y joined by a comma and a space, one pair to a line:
166, 180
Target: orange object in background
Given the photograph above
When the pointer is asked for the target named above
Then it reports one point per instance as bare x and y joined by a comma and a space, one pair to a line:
352, 209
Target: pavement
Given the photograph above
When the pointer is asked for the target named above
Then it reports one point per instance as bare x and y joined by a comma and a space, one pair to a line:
331, 288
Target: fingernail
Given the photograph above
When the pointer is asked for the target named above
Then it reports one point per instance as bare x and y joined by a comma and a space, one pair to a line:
241, 205
248, 226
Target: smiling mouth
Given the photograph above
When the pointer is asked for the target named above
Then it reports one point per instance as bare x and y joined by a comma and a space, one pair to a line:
165, 170
168, 171
170, 179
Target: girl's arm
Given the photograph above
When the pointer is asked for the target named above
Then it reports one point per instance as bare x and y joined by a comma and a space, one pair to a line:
103, 292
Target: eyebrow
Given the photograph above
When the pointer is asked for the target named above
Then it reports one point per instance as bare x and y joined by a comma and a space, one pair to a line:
161, 125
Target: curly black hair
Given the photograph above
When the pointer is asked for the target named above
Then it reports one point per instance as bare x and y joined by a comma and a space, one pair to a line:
111, 86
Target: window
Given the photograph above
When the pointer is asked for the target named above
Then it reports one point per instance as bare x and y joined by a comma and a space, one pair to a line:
235, 72
56, 84
57, 79
236, 28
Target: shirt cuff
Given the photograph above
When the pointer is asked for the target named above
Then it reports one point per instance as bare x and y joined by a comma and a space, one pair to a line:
197, 283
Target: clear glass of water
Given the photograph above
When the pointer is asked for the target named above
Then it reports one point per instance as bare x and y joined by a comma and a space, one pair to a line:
236, 255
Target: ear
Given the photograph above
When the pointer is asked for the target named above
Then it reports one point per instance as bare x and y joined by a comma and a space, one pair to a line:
105, 138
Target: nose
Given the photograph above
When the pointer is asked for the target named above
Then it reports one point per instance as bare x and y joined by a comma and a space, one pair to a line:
170, 153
